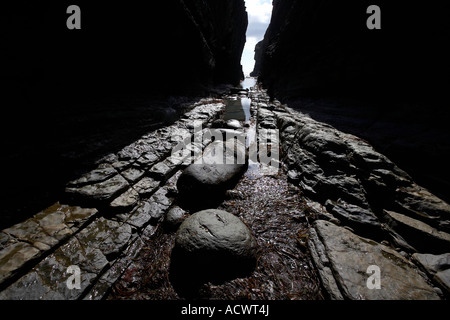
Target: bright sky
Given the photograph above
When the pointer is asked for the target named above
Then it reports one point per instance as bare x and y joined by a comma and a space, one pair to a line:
259, 13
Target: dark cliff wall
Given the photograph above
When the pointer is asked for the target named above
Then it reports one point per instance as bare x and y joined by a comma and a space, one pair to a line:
222, 23
324, 47
69, 97
258, 59
387, 86
132, 47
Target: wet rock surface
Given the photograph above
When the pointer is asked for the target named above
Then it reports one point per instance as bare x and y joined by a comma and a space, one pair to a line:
332, 208
349, 258
128, 202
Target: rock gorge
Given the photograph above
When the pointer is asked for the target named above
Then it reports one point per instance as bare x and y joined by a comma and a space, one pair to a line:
385, 86
102, 142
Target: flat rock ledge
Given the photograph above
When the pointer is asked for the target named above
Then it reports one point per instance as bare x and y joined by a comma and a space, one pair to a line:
344, 260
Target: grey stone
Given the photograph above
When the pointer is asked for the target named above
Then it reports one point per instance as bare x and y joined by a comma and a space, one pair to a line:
420, 204
443, 279
215, 234
175, 216
161, 171
433, 263
350, 256
203, 183
121, 165
140, 216
318, 253
148, 159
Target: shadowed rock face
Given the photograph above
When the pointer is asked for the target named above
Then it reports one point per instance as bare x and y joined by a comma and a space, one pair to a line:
127, 71
325, 47
132, 48
385, 86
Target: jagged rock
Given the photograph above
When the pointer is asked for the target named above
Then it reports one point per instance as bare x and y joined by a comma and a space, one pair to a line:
121, 165
214, 242
419, 234
421, 204
350, 256
148, 159
319, 256
356, 217
433, 263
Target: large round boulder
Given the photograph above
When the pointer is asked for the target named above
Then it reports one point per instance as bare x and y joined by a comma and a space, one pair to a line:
213, 245
203, 183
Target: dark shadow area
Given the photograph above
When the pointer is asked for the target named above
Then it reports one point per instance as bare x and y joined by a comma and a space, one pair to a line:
189, 272
70, 97
388, 86
415, 136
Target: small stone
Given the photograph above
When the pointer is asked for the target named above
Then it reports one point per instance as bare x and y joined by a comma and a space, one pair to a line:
175, 216
160, 171
234, 124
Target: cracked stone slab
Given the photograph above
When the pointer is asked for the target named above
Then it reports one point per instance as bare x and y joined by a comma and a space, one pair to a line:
48, 279
126, 201
14, 257
148, 159
318, 253
102, 191
140, 216
351, 255
109, 237
161, 170
132, 174
101, 173
107, 280
146, 186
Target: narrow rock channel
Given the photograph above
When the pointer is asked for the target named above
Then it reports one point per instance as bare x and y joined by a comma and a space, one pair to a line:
324, 215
